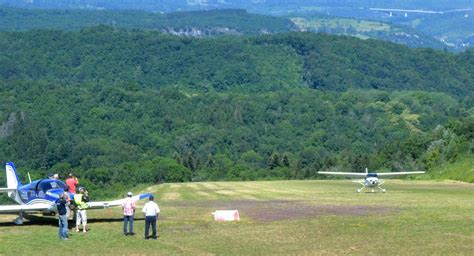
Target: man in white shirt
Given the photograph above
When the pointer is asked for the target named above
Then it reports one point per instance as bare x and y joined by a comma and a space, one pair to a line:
151, 211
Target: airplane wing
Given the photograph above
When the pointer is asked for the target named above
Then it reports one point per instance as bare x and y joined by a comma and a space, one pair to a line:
11, 209
346, 174
361, 182
6, 190
107, 204
39, 206
388, 174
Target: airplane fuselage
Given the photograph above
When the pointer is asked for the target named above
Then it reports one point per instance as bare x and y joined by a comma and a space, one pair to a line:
40, 196
45, 191
371, 181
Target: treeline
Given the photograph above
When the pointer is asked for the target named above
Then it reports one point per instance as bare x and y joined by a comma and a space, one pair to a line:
196, 23
121, 108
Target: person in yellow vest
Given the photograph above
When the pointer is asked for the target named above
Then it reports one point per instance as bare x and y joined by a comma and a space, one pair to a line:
80, 200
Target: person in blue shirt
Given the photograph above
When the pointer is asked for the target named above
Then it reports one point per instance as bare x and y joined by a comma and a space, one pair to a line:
62, 213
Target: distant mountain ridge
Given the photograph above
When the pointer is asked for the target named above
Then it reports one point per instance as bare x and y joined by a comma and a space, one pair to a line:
196, 23
161, 5
453, 29
210, 23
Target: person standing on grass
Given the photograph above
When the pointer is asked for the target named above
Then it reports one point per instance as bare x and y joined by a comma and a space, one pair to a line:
81, 203
68, 201
128, 207
151, 211
62, 214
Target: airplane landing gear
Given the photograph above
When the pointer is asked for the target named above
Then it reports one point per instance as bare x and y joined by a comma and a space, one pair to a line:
19, 219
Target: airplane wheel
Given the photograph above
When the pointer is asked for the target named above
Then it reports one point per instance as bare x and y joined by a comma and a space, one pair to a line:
383, 190
19, 221
358, 191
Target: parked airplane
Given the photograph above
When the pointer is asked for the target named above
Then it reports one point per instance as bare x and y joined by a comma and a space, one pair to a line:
40, 196
371, 179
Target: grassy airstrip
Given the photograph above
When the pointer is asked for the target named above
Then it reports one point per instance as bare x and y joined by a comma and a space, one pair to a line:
277, 217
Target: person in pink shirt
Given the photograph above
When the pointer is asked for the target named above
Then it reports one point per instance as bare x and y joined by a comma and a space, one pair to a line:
72, 182
128, 206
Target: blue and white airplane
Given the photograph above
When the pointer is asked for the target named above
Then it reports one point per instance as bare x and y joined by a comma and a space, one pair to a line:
371, 179
39, 196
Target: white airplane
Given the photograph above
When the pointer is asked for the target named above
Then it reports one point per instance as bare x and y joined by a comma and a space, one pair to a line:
371, 179
39, 196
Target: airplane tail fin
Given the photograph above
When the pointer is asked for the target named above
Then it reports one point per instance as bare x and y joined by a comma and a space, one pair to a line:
13, 182
366, 170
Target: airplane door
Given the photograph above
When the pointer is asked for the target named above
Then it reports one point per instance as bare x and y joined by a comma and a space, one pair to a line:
31, 193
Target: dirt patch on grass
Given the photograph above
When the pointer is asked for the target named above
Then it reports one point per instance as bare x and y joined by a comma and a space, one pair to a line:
202, 193
284, 211
171, 196
191, 185
247, 197
275, 210
226, 192
210, 186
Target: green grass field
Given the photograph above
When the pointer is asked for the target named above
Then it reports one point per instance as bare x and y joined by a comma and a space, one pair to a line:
277, 217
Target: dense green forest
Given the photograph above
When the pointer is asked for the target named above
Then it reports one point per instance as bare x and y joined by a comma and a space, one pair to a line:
197, 23
121, 108
452, 28
224, 22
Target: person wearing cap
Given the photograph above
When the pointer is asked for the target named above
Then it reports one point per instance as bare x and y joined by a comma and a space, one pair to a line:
151, 211
128, 207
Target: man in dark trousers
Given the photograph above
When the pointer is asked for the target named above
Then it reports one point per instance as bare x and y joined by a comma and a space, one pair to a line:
151, 211
62, 213
128, 207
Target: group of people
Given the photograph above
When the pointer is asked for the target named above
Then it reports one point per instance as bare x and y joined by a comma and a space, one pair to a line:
150, 210
65, 205
79, 205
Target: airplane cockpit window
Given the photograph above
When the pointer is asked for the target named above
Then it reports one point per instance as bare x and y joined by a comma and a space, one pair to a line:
46, 185
372, 175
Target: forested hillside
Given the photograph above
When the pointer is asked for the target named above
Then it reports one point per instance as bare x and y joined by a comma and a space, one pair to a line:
197, 23
127, 107
215, 23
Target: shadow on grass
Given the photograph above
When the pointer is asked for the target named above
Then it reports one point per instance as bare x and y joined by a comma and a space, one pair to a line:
34, 220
